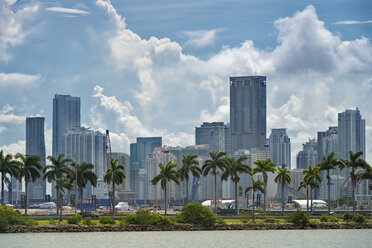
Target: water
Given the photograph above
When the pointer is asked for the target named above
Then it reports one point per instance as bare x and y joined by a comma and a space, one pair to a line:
210, 239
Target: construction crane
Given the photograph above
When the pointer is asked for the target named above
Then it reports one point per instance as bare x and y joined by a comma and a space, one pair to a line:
108, 156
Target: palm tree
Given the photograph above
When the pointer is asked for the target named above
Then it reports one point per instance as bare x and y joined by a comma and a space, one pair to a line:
366, 175
329, 163
29, 170
304, 184
217, 162
115, 175
61, 184
7, 166
84, 174
313, 179
233, 169
189, 164
264, 166
353, 164
283, 177
167, 173
256, 186
58, 169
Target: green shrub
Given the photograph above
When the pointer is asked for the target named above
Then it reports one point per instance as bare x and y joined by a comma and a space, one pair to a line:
144, 218
75, 219
106, 220
221, 221
122, 221
298, 217
10, 217
334, 219
324, 218
197, 214
271, 220
3, 222
245, 220
88, 221
53, 222
31, 222
348, 217
359, 218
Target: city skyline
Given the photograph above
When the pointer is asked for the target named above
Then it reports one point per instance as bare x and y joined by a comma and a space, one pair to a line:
303, 96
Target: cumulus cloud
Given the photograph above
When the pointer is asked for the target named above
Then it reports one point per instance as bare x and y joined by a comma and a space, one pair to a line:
12, 32
200, 38
18, 80
310, 74
18, 147
67, 10
352, 22
6, 116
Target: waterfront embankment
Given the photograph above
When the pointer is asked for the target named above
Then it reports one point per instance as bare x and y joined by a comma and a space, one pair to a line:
139, 228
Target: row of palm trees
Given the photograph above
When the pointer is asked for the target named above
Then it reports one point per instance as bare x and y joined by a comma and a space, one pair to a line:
63, 171
232, 168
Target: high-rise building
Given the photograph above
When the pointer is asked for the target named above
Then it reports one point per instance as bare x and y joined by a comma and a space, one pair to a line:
35, 145
351, 133
280, 148
228, 139
247, 112
66, 115
308, 155
328, 143
211, 134
138, 153
123, 159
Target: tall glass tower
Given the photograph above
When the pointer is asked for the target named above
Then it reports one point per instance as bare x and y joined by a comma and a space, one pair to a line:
248, 112
35, 145
66, 115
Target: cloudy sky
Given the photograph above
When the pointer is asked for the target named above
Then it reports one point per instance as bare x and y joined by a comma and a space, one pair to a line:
160, 68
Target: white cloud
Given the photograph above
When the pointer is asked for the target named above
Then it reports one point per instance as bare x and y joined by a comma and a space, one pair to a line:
6, 116
67, 10
14, 148
12, 32
352, 22
200, 38
18, 80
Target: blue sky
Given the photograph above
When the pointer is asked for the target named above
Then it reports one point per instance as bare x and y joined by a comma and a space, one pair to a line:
147, 68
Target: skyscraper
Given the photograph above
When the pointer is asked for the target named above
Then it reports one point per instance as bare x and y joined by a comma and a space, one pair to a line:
280, 148
35, 145
351, 133
328, 142
308, 155
211, 134
66, 115
247, 112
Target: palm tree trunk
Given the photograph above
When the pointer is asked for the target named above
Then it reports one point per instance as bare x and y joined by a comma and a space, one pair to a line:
215, 194
2, 189
81, 200
353, 194
60, 206
187, 191
282, 196
57, 191
236, 199
307, 200
26, 195
329, 192
165, 200
113, 196
311, 197
265, 199
253, 206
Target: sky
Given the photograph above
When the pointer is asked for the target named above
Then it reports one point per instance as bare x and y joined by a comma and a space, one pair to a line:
161, 68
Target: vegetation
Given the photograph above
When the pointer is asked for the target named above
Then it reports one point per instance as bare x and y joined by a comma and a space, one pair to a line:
31, 222
366, 175
353, 164
255, 186
83, 174
75, 219
53, 221
197, 214
283, 177
189, 164
115, 175
359, 218
167, 173
143, 218
61, 185
271, 220
88, 221
312, 179
213, 165
29, 170
234, 167
264, 166
8, 166
10, 217
299, 218
106, 220
324, 218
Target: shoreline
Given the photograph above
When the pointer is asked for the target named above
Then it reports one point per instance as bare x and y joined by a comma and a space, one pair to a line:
186, 227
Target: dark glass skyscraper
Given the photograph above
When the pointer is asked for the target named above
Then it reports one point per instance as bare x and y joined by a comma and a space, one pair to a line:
248, 112
66, 115
35, 145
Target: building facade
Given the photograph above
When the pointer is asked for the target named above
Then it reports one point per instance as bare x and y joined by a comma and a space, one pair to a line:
280, 148
308, 155
247, 112
211, 134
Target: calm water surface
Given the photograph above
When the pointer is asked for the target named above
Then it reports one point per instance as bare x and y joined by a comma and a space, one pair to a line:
210, 239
